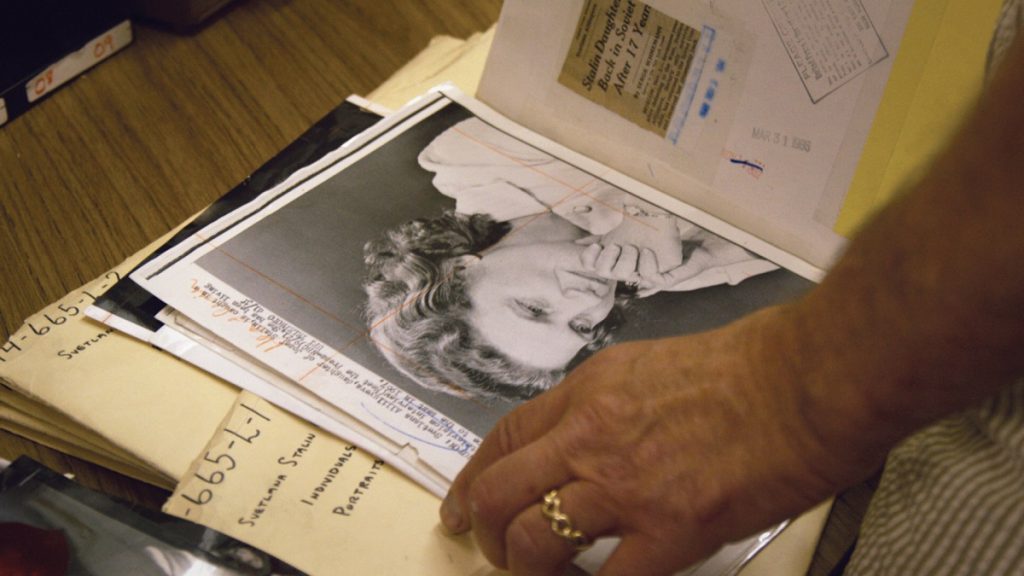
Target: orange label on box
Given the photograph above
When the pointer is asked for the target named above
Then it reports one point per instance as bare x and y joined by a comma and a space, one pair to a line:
94, 52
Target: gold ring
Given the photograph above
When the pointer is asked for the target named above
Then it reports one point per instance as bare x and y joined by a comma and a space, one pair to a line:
561, 525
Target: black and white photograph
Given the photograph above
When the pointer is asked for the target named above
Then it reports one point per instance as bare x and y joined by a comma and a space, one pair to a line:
473, 270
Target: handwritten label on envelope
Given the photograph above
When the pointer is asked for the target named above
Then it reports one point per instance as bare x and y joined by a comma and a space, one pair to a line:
316, 501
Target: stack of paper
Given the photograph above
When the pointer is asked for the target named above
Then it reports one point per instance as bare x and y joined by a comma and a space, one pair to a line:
306, 286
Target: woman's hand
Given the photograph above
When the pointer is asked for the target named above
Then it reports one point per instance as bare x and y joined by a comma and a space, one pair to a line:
639, 266
619, 262
652, 281
677, 446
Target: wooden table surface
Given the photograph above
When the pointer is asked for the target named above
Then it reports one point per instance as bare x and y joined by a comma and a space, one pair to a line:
146, 139
149, 137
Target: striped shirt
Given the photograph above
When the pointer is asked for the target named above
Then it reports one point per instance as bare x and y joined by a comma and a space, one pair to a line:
951, 498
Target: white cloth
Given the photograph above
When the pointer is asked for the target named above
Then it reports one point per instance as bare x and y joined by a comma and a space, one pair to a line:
489, 172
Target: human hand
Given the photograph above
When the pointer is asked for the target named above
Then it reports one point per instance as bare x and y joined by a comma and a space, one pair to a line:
640, 266
618, 262
677, 446
653, 281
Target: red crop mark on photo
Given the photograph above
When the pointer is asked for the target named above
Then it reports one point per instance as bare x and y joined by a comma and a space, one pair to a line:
295, 294
299, 297
571, 191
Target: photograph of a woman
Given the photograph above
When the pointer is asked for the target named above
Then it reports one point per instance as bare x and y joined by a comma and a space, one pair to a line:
473, 271
530, 272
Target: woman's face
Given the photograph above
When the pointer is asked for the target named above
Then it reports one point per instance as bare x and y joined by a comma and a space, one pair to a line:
536, 303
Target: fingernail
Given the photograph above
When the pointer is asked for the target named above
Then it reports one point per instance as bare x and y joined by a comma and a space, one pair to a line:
451, 515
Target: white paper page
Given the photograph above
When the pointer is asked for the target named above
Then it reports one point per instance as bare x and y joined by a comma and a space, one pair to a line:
787, 95
281, 282
226, 363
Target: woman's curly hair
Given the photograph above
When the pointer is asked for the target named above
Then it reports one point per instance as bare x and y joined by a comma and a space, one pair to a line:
417, 309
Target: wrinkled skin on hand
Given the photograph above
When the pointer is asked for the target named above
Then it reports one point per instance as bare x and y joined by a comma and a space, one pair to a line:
681, 445
676, 445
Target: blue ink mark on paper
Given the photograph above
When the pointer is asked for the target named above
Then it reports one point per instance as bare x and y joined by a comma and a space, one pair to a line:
682, 111
705, 108
747, 163
720, 65
461, 451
